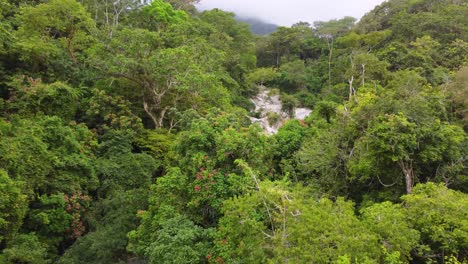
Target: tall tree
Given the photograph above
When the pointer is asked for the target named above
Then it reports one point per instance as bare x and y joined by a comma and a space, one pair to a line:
329, 31
175, 78
54, 33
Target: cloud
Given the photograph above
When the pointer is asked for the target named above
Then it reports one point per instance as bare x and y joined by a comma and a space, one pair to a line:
288, 12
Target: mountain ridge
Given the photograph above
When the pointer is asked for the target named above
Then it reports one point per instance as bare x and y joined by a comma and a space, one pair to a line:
258, 26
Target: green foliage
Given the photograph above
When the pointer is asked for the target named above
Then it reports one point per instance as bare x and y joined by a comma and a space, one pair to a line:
48, 155
394, 139
293, 75
204, 178
51, 217
262, 76
235, 39
110, 219
207, 153
32, 97
167, 197
122, 140
239, 235
396, 234
295, 227
179, 79
25, 248
302, 229
5, 28
164, 13
56, 32
187, 5
273, 118
315, 231
326, 109
289, 104
458, 94
120, 169
179, 241
444, 227
104, 111
322, 159
13, 206
334, 28
288, 140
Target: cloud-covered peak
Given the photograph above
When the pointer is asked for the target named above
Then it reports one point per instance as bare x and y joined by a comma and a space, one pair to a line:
289, 12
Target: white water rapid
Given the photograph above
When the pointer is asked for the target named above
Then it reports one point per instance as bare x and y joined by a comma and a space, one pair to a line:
268, 105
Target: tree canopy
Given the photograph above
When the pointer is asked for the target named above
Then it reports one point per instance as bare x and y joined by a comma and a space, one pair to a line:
128, 135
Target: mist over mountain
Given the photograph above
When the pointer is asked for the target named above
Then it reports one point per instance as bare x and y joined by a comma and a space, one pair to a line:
287, 13
258, 26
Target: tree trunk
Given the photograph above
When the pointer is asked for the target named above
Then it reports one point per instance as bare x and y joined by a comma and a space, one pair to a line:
70, 49
330, 49
363, 66
407, 169
96, 10
277, 60
409, 181
106, 13
148, 111
351, 90
161, 117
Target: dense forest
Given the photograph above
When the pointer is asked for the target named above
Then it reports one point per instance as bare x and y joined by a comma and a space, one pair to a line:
125, 135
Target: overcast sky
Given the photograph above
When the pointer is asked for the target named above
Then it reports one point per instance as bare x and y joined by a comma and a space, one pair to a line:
288, 12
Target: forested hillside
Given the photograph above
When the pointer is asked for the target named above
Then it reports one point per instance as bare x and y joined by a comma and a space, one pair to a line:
125, 135
257, 26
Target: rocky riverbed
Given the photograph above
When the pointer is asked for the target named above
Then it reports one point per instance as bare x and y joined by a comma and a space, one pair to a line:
269, 114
